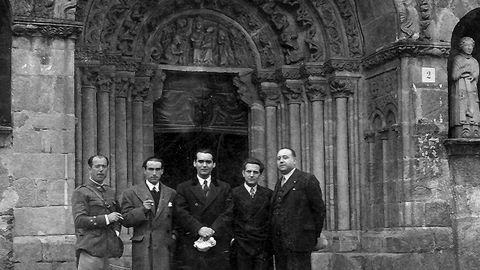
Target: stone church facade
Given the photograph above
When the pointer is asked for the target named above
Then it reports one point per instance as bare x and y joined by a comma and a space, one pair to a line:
359, 88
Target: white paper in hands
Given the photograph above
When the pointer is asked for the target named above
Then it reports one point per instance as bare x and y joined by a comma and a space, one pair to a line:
203, 244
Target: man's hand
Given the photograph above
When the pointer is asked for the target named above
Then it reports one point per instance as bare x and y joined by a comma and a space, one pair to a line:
206, 232
114, 216
148, 204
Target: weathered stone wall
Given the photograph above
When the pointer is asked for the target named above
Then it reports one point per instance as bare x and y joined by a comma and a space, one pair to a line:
38, 168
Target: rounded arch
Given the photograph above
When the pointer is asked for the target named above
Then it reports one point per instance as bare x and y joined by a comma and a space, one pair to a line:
377, 120
5, 63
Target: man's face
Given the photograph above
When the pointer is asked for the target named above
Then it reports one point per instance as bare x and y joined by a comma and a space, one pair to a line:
99, 170
153, 171
204, 164
467, 47
285, 161
251, 173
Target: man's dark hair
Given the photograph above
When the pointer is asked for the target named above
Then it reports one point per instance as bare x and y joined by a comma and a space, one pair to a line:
90, 159
252, 160
205, 151
152, 158
291, 150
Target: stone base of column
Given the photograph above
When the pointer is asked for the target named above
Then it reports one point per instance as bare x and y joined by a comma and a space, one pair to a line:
464, 162
466, 130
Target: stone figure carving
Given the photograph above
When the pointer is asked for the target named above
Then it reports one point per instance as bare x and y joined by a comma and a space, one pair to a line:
408, 16
224, 49
208, 44
197, 39
464, 106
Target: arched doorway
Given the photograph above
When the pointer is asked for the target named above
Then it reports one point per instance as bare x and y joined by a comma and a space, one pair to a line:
200, 110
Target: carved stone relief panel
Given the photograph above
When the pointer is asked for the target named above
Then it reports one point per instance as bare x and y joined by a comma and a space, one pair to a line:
382, 92
199, 101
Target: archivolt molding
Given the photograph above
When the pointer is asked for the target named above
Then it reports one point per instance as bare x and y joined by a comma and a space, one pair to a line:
299, 31
27, 26
406, 48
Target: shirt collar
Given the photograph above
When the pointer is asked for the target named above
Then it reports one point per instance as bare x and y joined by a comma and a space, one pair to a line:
97, 183
150, 185
249, 187
201, 180
287, 176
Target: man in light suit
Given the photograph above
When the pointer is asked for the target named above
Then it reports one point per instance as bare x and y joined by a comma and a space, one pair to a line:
203, 209
251, 220
298, 213
148, 207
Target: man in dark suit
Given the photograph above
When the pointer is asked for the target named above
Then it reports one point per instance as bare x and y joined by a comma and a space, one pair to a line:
96, 219
298, 213
251, 220
148, 207
203, 209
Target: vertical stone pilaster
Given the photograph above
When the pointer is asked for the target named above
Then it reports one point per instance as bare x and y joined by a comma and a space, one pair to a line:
140, 92
341, 89
368, 187
316, 92
271, 94
104, 86
123, 82
293, 93
89, 115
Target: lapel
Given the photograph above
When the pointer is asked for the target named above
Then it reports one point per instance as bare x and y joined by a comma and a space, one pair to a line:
142, 192
197, 190
276, 190
212, 193
290, 183
163, 201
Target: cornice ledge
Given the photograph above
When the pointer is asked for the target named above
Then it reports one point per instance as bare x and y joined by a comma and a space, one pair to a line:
61, 28
406, 48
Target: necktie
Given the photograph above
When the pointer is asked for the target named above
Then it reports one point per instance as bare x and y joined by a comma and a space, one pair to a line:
154, 189
205, 188
283, 180
252, 192
101, 188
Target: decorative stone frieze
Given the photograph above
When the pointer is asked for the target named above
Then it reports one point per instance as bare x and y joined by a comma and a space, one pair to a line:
406, 48
51, 28
292, 72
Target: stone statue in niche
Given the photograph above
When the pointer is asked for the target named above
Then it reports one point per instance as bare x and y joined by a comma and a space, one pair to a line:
464, 105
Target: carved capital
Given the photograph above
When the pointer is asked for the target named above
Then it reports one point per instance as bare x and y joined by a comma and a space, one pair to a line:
315, 69
267, 75
157, 83
369, 136
84, 55
316, 90
144, 71
124, 84
335, 65
89, 75
141, 89
104, 82
292, 72
341, 87
50, 28
270, 92
246, 89
383, 134
293, 91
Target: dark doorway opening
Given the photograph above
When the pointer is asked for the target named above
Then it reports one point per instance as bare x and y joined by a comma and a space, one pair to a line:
178, 151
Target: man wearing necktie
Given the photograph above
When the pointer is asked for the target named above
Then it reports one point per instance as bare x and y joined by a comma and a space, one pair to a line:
147, 207
203, 209
298, 213
251, 220
97, 219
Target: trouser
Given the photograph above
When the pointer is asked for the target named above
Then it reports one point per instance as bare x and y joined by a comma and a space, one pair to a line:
245, 261
89, 262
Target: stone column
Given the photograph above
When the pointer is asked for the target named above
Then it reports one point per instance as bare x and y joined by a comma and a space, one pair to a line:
140, 92
464, 160
367, 185
341, 89
316, 92
249, 94
271, 95
89, 116
123, 81
293, 94
104, 84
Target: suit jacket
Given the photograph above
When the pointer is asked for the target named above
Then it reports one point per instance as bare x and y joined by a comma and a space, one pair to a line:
152, 230
251, 219
89, 207
298, 212
193, 211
